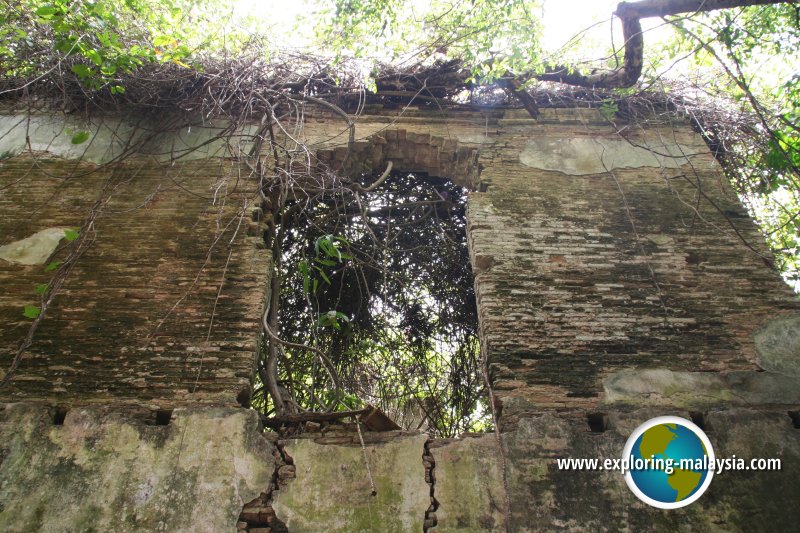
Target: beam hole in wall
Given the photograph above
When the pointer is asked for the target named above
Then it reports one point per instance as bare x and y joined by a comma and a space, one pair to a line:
795, 416
379, 284
699, 419
163, 417
244, 396
598, 422
59, 415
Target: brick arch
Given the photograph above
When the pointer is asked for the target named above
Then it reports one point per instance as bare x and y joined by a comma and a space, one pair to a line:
409, 152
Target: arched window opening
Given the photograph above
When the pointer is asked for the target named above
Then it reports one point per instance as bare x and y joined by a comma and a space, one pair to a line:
378, 283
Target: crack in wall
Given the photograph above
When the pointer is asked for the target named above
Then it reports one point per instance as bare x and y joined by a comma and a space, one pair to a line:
430, 478
332, 490
258, 516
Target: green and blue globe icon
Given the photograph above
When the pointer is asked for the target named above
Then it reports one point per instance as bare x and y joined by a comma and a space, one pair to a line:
671, 462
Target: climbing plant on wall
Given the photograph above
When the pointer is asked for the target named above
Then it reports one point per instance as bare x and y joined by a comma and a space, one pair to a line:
370, 277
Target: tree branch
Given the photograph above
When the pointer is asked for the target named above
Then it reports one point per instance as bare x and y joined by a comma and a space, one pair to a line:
631, 13
661, 8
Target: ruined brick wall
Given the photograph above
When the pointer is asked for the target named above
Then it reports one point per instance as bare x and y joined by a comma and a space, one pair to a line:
597, 252
161, 307
617, 277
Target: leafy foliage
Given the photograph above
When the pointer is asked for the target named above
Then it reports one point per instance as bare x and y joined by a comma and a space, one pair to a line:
98, 41
80, 137
381, 282
746, 59
31, 311
488, 37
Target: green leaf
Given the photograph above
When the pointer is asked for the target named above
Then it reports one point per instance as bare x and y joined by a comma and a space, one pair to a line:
80, 137
46, 12
71, 234
318, 244
31, 311
105, 39
41, 288
302, 267
82, 70
332, 318
95, 57
608, 109
324, 276
52, 266
162, 40
66, 46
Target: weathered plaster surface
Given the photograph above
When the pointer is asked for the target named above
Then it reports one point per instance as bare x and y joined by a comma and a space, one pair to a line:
694, 389
778, 346
113, 137
469, 486
109, 138
332, 491
583, 155
33, 250
544, 498
101, 472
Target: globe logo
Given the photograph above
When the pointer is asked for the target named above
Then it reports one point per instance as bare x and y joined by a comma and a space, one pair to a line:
670, 462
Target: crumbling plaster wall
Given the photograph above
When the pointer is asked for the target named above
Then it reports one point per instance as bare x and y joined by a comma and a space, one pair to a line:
103, 470
333, 489
610, 282
162, 312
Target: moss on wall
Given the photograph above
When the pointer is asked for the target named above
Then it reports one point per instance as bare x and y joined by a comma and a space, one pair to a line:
105, 471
